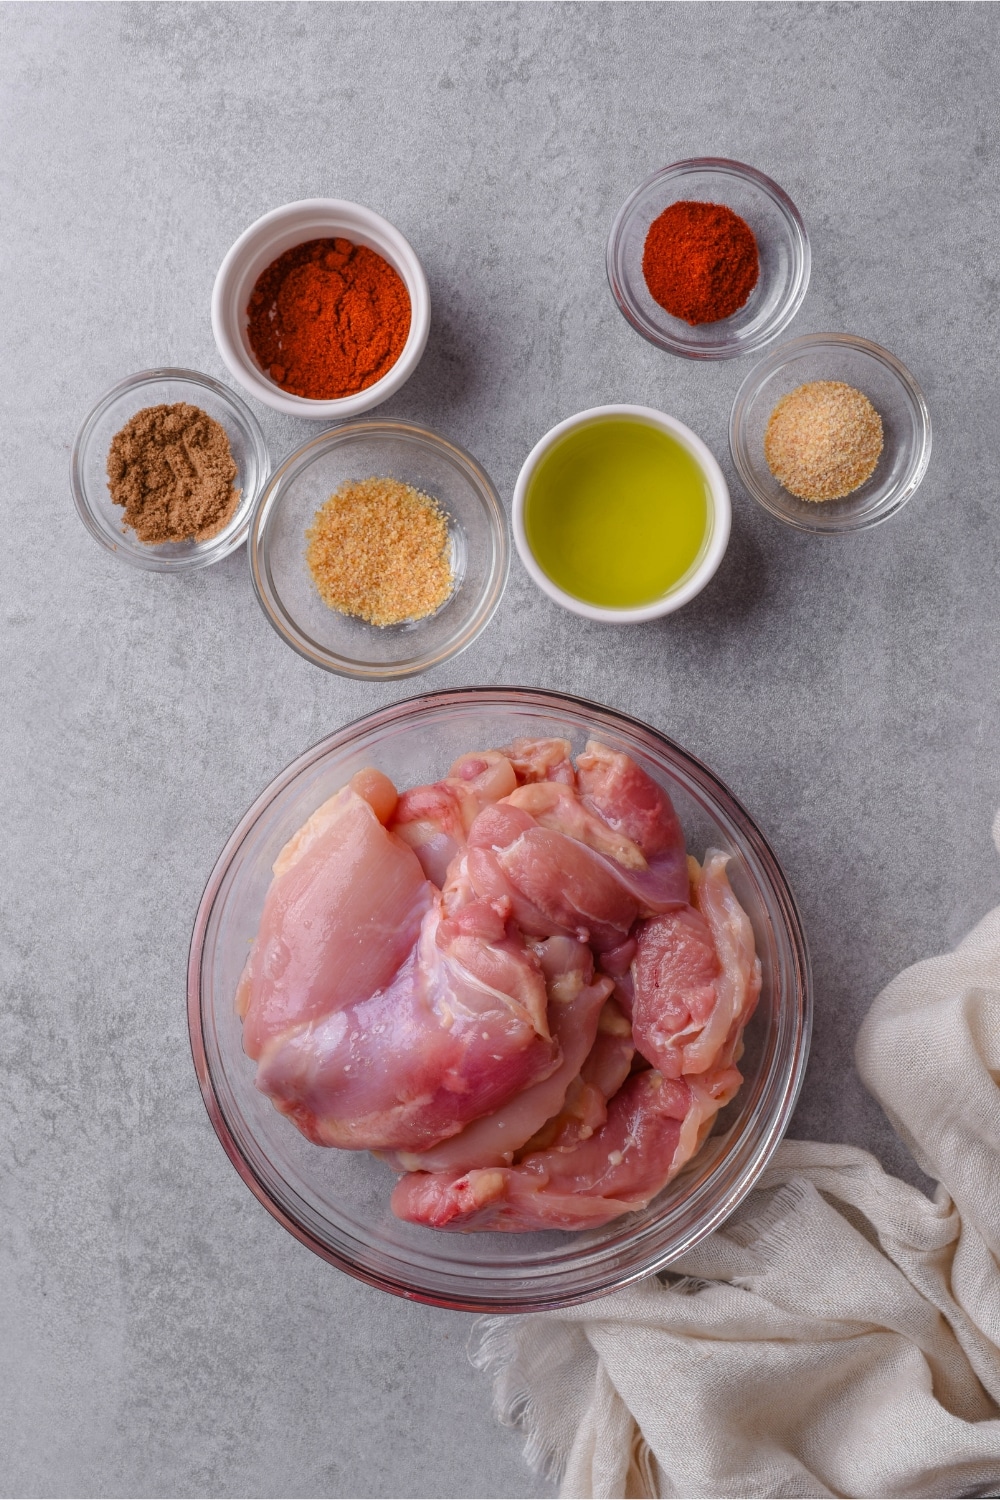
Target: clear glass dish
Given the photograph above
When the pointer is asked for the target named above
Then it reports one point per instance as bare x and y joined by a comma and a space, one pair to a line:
337, 1202
782, 244
895, 395
360, 450
89, 476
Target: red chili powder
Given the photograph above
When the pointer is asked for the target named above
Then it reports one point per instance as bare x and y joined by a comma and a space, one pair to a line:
700, 261
328, 319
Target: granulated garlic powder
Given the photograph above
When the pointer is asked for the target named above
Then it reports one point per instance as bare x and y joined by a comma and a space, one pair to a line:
379, 550
823, 440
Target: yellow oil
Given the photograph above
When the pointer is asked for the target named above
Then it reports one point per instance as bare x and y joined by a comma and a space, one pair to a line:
617, 513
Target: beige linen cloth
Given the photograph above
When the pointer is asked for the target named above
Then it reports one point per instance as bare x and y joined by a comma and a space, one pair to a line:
841, 1334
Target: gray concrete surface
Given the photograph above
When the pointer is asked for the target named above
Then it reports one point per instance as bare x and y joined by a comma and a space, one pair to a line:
159, 1333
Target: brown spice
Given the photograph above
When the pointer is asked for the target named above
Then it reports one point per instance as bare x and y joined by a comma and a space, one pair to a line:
379, 549
171, 468
823, 440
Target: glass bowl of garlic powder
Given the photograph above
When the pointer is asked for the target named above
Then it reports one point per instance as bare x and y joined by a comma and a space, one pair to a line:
379, 549
845, 363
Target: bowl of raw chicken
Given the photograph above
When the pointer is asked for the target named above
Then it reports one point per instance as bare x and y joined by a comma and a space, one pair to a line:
498, 1000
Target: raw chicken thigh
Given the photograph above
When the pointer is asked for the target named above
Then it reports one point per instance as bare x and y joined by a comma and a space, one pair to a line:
656, 1122
380, 1015
696, 978
576, 1003
617, 1169
456, 1032
435, 820
341, 916
512, 984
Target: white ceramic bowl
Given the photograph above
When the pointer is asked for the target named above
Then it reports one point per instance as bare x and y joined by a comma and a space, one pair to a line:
280, 230
719, 521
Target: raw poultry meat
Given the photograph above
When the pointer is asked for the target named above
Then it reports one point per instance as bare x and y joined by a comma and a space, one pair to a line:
511, 983
617, 1169
454, 1034
542, 760
585, 1107
566, 868
380, 1019
341, 915
702, 961
576, 1002
630, 801
696, 978
435, 820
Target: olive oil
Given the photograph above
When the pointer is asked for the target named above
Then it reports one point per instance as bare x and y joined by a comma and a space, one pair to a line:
617, 513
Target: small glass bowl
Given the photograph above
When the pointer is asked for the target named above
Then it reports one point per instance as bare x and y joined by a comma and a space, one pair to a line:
89, 475
782, 244
891, 389
307, 478
337, 1202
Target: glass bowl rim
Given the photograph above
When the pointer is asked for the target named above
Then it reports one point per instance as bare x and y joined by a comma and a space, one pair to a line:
295, 463
770, 365
801, 255
243, 417
499, 697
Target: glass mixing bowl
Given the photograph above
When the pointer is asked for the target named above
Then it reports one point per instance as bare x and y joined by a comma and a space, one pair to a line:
782, 244
363, 449
337, 1202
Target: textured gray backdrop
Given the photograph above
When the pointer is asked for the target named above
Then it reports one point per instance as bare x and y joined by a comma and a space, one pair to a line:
159, 1333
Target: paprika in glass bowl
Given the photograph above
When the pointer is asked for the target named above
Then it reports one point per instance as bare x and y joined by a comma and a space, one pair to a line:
782, 245
251, 266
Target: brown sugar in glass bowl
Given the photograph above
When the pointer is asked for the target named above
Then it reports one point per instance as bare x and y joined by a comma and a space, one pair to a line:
328, 319
88, 467
172, 471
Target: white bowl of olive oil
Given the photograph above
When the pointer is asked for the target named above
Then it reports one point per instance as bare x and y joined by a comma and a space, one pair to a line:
621, 514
